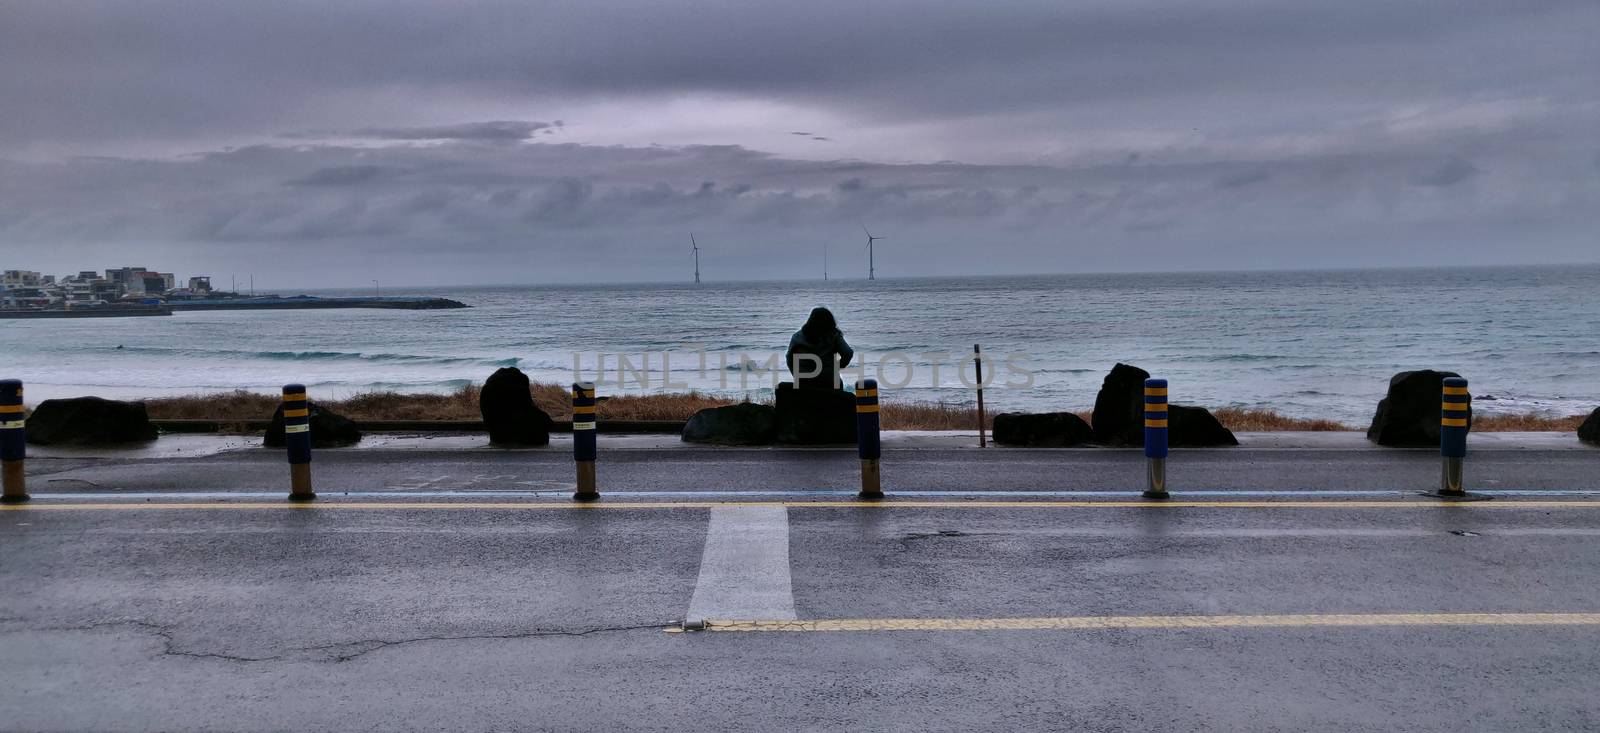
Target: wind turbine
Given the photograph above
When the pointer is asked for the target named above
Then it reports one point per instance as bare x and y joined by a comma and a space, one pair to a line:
696, 246
870, 240
824, 261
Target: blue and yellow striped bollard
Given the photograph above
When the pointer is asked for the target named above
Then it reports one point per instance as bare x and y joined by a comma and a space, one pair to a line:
1455, 419
297, 439
867, 441
13, 442
584, 445
1155, 437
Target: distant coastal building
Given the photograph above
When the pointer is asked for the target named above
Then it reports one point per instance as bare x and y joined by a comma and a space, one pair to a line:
30, 289
122, 275
20, 279
141, 281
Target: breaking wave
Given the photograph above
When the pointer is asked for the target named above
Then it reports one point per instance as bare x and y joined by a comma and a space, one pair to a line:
355, 356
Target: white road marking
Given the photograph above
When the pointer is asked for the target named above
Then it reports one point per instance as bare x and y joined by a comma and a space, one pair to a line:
744, 571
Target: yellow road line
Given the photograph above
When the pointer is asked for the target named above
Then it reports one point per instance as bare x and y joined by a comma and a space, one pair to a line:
953, 504
1076, 623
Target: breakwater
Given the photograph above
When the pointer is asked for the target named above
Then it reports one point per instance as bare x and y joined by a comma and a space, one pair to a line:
115, 311
311, 302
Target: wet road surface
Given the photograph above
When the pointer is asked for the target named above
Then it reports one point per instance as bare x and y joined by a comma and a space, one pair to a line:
1395, 613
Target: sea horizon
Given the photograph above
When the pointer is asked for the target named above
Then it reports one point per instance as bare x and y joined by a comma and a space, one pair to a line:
689, 279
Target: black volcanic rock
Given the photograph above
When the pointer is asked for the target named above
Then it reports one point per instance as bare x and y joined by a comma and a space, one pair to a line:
1041, 430
1194, 427
743, 424
89, 421
508, 410
1119, 407
1589, 431
815, 416
1119, 415
1409, 415
328, 429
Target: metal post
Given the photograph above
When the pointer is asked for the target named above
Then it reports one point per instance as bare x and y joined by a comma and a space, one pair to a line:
867, 444
1455, 412
13, 443
977, 360
1155, 436
297, 439
584, 448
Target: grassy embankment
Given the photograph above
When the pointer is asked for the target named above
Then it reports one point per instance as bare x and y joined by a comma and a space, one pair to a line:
553, 399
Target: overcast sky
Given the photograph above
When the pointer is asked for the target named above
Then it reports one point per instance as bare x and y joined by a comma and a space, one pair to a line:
325, 144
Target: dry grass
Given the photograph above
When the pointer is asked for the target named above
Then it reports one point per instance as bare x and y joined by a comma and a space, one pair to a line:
929, 416
555, 400
1244, 420
1525, 422
679, 406
238, 405
461, 404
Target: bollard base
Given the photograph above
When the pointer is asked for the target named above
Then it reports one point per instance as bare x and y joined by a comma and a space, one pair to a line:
1450, 483
586, 485
1157, 485
15, 479
871, 485
1456, 495
300, 482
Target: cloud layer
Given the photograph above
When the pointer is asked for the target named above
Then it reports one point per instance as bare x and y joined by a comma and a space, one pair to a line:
511, 142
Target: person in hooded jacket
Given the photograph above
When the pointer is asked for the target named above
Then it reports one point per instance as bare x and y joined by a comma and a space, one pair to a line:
819, 337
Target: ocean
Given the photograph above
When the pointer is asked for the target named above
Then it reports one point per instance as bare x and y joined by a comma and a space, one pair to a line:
1308, 344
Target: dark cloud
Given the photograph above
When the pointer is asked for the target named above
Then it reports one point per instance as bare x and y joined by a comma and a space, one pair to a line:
342, 175
372, 199
233, 65
1453, 171
1242, 178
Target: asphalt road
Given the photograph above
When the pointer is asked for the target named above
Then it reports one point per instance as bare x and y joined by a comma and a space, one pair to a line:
697, 469
476, 615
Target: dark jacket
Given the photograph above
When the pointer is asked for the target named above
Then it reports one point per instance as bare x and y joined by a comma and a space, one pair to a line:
823, 341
